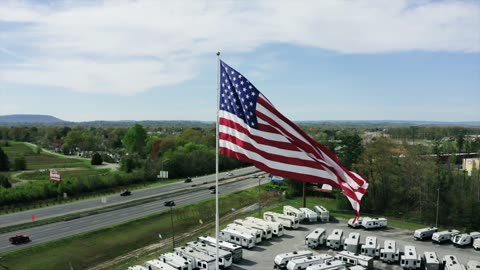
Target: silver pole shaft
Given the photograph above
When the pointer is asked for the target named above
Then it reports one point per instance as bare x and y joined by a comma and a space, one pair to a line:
217, 225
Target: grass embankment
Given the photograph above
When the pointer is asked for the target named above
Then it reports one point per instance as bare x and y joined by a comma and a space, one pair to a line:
41, 160
89, 249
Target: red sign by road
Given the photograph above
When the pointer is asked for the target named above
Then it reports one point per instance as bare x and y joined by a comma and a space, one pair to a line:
55, 175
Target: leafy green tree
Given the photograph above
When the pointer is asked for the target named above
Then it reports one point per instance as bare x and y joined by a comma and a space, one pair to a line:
352, 149
4, 182
4, 162
135, 139
20, 163
96, 159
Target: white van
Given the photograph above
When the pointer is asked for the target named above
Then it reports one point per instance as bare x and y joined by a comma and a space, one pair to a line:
315, 238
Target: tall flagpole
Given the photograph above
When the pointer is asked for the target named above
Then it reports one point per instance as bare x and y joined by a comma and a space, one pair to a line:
216, 162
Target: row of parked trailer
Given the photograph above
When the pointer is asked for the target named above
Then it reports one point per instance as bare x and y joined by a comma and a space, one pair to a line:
364, 254
458, 239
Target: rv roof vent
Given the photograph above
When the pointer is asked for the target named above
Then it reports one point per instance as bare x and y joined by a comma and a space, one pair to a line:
353, 236
389, 247
336, 232
294, 252
410, 253
328, 263
309, 258
316, 231
203, 245
431, 256
370, 243
356, 254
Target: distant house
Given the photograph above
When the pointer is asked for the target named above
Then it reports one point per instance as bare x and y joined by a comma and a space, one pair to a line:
471, 163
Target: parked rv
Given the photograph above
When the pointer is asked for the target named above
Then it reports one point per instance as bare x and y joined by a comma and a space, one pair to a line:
287, 221
315, 238
304, 262
333, 265
389, 253
254, 232
281, 260
292, 211
224, 257
476, 244
236, 250
277, 227
473, 265
374, 223
267, 231
351, 242
370, 248
444, 236
237, 237
430, 261
309, 214
158, 265
465, 239
352, 223
322, 212
334, 240
451, 262
137, 267
177, 261
425, 233
200, 260
352, 259
410, 259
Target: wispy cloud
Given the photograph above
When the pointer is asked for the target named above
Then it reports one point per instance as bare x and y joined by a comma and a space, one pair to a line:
127, 47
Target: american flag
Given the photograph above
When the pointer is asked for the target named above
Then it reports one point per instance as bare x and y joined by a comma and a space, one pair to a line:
252, 130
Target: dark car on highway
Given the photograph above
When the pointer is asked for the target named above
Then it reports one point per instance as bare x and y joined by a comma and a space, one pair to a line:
188, 180
126, 193
19, 239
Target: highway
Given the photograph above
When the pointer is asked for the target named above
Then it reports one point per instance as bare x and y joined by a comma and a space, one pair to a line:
55, 231
95, 203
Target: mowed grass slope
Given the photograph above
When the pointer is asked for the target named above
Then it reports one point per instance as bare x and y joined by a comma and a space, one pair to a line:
40, 161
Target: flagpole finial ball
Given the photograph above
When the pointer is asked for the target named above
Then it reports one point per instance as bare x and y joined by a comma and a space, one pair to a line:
218, 53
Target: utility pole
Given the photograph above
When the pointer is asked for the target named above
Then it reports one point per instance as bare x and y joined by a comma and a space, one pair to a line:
304, 198
259, 196
171, 204
438, 202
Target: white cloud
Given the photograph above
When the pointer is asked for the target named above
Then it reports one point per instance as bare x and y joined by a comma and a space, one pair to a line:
126, 47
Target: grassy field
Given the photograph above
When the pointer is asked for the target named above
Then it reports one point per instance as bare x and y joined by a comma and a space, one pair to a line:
43, 160
66, 174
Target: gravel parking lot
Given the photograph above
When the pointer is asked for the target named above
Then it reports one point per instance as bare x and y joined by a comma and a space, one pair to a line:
261, 256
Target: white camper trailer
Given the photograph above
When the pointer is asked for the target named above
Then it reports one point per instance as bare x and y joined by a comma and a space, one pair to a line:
444, 236
473, 265
304, 262
315, 238
177, 261
281, 260
158, 265
430, 261
137, 267
425, 233
389, 253
370, 248
277, 227
310, 215
292, 211
287, 221
224, 257
410, 259
334, 240
465, 239
351, 242
254, 232
267, 231
332, 265
451, 262
236, 237
476, 244
322, 212
236, 250
200, 260
351, 258
374, 223
352, 223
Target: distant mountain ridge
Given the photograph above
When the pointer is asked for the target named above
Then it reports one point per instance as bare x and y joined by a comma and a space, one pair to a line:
48, 120
29, 118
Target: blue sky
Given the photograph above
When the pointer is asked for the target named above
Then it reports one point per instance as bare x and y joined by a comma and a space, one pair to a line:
314, 60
